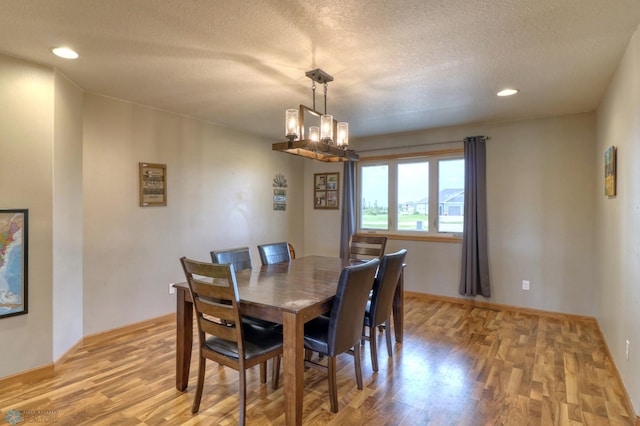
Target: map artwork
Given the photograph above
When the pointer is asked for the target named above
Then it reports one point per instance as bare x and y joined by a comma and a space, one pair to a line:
12, 262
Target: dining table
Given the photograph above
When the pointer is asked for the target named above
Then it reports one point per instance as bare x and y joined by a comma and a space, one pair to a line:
289, 293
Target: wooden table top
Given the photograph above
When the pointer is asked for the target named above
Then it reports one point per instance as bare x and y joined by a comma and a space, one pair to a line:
292, 286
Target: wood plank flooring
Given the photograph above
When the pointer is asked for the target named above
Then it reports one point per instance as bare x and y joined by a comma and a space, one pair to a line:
458, 365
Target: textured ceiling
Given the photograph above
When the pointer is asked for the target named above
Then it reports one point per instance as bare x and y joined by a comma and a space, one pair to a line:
398, 65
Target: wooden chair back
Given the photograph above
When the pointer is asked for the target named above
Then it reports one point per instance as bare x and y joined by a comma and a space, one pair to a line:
214, 292
365, 247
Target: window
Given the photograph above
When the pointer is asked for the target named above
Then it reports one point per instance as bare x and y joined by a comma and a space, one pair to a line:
413, 196
400, 195
450, 195
374, 204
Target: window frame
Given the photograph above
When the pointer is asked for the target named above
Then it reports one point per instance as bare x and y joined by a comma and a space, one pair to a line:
392, 161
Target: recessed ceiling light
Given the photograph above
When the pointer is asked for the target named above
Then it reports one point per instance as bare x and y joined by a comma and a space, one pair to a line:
508, 92
64, 52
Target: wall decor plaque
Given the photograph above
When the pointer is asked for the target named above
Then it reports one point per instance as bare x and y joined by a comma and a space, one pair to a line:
153, 184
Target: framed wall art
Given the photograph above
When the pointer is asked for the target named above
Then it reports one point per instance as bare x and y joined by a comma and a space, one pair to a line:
14, 225
325, 190
279, 193
610, 171
153, 184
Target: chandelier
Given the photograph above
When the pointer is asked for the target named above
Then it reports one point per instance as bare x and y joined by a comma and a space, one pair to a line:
327, 141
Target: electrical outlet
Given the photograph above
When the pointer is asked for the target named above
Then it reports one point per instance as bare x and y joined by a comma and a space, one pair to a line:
525, 284
626, 351
172, 289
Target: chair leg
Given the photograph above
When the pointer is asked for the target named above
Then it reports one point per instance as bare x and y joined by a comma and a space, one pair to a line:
243, 394
263, 372
358, 366
387, 334
199, 386
373, 345
307, 357
333, 391
275, 378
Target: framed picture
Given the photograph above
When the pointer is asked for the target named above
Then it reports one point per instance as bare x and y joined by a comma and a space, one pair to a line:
325, 190
610, 171
153, 184
14, 226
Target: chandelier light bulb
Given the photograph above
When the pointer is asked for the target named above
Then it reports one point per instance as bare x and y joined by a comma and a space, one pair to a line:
343, 134
291, 124
326, 128
314, 133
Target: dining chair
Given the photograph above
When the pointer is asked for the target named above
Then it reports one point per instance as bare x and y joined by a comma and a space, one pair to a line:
340, 332
365, 247
379, 306
229, 341
274, 253
240, 257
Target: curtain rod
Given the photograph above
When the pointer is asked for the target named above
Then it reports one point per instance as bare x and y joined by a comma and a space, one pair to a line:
408, 146
415, 146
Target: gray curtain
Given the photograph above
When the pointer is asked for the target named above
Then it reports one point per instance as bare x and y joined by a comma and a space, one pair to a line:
348, 226
474, 276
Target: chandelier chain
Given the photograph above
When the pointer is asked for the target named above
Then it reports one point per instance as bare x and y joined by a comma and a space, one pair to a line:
326, 89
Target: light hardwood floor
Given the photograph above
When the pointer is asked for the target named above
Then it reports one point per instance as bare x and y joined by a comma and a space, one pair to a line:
458, 365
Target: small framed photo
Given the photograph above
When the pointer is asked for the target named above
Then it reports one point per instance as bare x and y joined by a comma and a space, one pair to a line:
321, 181
332, 198
14, 238
153, 184
325, 194
332, 182
320, 199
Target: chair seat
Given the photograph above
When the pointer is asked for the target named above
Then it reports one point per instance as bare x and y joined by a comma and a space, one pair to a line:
316, 335
260, 322
257, 341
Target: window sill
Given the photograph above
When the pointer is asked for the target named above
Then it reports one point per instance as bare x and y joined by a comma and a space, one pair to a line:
429, 238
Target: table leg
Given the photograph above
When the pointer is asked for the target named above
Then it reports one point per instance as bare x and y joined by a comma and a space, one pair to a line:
184, 339
293, 334
398, 308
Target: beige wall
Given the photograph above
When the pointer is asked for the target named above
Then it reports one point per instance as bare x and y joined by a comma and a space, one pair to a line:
220, 195
26, 143
541, 199
618, 220
67, 216
97, 261
321, 226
